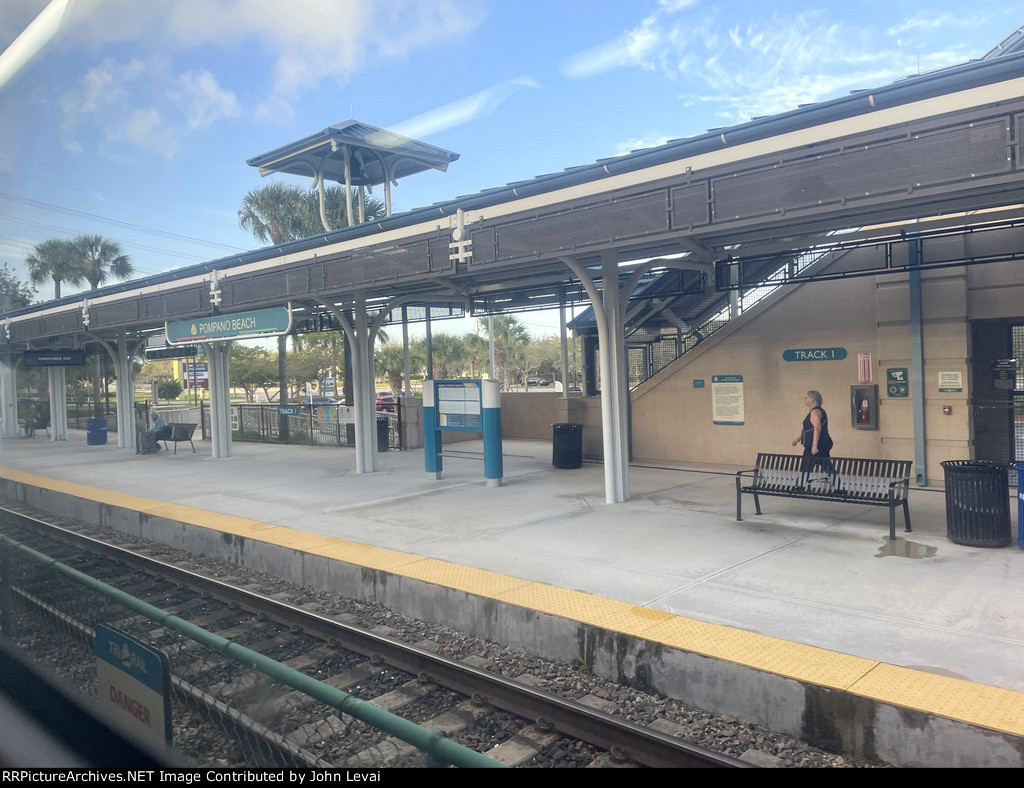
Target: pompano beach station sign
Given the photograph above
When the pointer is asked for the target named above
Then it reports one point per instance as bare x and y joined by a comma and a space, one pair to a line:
243, 325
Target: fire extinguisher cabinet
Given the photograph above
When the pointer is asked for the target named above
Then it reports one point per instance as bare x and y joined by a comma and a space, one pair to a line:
864, 407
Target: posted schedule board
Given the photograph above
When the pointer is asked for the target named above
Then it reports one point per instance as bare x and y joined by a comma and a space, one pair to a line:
727, 399
459, 407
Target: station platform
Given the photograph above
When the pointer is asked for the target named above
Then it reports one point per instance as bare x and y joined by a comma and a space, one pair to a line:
923, 625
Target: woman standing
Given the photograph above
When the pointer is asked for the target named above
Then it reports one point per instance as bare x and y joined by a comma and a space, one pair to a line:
814, 436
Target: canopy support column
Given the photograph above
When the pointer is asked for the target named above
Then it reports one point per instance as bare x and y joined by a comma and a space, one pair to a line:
8, 395
217, 356
610, 332
57, 380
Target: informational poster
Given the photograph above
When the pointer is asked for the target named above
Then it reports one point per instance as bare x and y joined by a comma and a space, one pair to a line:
727, 399
951, 382
459, 405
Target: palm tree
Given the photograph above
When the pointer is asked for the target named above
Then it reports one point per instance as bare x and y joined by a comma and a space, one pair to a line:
449, 355
53, 259
335, 210
510, 336
272, 212
100, 259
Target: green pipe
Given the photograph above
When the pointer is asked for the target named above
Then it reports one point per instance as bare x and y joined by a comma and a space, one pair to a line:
429, 742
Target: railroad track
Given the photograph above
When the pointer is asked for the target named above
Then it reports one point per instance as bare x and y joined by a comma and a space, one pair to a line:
509, 721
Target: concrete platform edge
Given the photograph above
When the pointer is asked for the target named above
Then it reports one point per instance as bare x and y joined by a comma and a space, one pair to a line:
835, 719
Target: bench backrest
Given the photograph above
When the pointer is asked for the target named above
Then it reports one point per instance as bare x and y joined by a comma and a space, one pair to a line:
181, 432
860, 478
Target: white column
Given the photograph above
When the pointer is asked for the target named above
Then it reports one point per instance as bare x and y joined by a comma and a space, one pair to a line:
57, 379
125, 387
8, 396
217, 357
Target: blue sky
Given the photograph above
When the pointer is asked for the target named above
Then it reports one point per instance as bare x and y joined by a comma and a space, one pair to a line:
135, 119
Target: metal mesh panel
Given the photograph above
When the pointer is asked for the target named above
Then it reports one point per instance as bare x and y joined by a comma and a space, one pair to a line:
1020, 139
114, 314
175, 305
690, 205
585, 226
951, 155
396, 262
254, 289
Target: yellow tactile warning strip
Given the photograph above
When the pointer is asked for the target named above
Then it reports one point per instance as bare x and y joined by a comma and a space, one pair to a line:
976, 704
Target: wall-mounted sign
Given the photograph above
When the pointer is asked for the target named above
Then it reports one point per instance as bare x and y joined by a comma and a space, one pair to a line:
951, 382
698, 384
1004, 373
814, 354
246, 325
727, 399
897, 382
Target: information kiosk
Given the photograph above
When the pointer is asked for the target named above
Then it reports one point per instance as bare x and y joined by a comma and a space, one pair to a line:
462, 406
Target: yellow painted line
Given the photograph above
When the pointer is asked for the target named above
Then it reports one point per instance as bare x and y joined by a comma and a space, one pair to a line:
976, 704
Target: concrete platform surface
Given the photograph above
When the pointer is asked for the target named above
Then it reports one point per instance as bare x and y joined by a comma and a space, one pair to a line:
824, 575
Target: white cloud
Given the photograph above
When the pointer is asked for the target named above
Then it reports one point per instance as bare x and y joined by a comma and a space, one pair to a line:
202, 100
146, 129
305, 41
769, 64
461, 111
98, 89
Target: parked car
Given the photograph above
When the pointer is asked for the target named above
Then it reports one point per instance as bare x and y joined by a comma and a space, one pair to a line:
386, 402
318, 401
538, 382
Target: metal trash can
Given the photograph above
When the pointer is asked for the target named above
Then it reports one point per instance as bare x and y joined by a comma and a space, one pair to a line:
96, 432
567, 446
977, 503
383, 430
1020, 504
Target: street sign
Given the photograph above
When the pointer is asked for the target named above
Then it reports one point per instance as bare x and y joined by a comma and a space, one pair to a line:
260, 323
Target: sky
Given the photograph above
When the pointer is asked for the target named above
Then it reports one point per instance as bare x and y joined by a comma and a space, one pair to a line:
134, 119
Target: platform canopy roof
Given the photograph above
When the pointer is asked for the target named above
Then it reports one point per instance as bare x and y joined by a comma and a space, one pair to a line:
376, 155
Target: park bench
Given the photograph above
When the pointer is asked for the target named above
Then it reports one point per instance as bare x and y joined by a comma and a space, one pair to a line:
858, 481
180, 433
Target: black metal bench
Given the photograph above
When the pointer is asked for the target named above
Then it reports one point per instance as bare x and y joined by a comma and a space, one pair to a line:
179, 433
851, 480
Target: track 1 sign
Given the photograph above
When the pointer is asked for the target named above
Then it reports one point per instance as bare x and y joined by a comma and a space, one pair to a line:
243, 325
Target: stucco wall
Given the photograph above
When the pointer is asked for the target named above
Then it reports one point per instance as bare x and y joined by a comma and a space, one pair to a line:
672, 419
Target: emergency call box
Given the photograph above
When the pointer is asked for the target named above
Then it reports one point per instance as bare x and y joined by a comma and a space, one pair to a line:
864, 407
